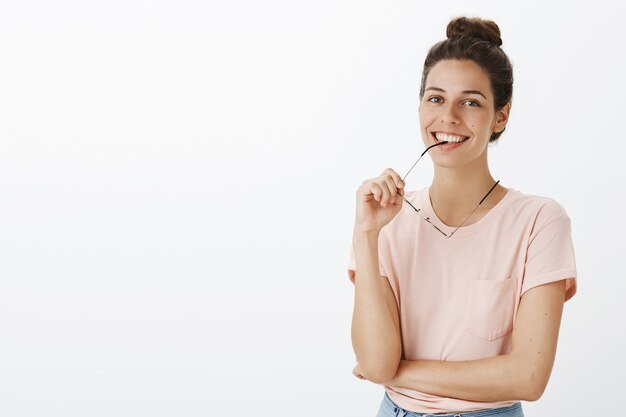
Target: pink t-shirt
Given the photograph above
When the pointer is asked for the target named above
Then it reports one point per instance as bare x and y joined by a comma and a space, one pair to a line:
458, 297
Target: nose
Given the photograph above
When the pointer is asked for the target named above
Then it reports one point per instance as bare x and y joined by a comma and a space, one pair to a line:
449, 115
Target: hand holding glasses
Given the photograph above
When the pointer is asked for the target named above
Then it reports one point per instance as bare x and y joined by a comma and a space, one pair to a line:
372, 217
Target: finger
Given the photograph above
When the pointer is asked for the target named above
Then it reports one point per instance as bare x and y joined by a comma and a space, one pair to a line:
392, 189
364, 191
396, 178
378, 191
386, 193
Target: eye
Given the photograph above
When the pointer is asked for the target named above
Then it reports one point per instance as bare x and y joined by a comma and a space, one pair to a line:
476, 104
438, 98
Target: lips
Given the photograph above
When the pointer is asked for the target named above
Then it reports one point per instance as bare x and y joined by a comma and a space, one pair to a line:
437, 140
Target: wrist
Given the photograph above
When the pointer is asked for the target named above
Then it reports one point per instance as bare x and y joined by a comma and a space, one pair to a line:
365, 235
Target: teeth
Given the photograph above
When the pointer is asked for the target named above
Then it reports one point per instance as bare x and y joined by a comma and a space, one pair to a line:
448, 138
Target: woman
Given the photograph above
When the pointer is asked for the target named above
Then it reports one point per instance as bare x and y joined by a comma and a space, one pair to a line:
459, 293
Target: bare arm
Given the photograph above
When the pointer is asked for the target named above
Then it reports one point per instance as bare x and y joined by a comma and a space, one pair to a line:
491, 379
521, 374
376, 336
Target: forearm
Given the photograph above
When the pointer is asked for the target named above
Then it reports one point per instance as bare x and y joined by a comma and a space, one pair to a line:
499, 378
375, 336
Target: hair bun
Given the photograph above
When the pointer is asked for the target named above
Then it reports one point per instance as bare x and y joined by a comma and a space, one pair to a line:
474, 27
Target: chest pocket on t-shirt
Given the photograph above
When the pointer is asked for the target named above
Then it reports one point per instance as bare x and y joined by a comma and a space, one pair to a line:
490, 308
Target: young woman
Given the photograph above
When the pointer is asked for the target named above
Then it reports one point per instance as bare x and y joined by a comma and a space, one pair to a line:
459, 293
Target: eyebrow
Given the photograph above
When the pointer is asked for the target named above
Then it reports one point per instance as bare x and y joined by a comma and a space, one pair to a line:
464, 92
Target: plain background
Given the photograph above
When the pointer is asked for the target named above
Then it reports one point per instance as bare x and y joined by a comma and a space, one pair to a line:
177, 188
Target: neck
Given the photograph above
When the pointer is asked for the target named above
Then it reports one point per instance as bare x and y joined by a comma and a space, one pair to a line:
456, 191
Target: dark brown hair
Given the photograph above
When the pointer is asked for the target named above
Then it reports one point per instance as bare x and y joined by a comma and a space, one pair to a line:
477, 40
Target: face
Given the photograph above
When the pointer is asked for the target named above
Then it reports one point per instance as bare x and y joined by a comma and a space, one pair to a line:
458, 101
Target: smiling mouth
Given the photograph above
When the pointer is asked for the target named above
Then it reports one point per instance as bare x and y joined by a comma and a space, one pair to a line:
446, 141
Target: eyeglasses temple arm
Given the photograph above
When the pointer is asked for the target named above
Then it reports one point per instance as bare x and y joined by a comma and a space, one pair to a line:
418, 159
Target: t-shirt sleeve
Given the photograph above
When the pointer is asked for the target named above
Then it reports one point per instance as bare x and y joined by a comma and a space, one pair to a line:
550, 252
352, 265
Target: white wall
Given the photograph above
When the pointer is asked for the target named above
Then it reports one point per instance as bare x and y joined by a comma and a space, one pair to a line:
177, 194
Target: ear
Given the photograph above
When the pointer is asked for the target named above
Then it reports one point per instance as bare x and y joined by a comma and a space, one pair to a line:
502, 117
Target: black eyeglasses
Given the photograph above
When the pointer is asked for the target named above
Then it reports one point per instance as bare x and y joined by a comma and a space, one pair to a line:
419, 211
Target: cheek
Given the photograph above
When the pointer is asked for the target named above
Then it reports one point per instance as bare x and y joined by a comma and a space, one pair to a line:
425, 118
479, 122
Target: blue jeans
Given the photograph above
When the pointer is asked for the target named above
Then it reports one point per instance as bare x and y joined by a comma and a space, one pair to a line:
388, 408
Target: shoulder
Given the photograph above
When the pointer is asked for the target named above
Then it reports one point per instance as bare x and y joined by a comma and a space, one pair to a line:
540, 209
539, 205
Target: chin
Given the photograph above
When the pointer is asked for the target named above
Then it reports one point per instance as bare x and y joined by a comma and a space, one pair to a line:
446, 164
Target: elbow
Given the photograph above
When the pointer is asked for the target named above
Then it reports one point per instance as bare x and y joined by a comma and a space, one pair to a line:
380, 365
382, 370
534, 392
532, 378
533, 388
379, 376
382, 373
532, 395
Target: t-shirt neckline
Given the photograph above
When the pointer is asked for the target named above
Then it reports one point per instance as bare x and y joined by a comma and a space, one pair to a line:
466, 230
